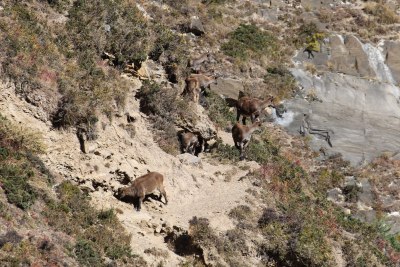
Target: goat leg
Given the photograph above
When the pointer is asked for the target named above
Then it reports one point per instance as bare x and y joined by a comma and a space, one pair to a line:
141, 198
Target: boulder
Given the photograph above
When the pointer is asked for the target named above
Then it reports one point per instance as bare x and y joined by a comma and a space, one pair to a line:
366, 196
189, 159
196, 27
335, 195
202, 125
227, 87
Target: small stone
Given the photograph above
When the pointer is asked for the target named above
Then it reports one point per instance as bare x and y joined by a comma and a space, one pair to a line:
335, 195
196, 26
347, 211
158, 229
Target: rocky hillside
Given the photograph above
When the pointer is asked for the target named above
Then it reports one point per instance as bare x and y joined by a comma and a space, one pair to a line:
94, 94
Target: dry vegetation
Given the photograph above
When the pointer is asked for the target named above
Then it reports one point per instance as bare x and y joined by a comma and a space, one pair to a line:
91, 237
299, 227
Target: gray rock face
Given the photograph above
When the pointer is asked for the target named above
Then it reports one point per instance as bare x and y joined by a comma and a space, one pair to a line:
392, 58
364, 115
346, 54
353, 60
227, 87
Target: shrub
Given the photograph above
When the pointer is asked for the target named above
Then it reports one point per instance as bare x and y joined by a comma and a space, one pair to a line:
217, 2
15, 183
248, 41
116, 27
218, 110
201, 233
99, 233
86, 254
225, 152
166, 110
19, 138
280, 82
240, 212
382, 13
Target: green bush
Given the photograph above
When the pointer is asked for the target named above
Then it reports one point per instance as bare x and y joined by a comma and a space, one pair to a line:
116, 27
218, 110
225, 152
248, 41
98, 232
86, 254
15, 183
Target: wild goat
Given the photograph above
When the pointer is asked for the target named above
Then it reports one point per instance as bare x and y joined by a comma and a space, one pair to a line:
143, 186
191, 143
194, 84
241, 135
195, 63
252, 107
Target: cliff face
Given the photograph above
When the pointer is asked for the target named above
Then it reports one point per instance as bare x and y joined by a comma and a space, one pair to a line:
354, 93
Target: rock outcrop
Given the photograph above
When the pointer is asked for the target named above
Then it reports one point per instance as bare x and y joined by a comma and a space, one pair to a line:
363, 114
392, 58
227, 87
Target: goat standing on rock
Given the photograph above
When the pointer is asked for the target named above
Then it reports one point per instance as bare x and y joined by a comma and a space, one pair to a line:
143, 186
252, 107
241, 135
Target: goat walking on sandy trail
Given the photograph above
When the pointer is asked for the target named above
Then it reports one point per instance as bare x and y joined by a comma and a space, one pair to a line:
194, 84
306, 126
252, 107
143, 186
241, 135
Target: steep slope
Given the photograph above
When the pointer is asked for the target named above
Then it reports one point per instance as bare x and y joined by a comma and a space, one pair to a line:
194, 186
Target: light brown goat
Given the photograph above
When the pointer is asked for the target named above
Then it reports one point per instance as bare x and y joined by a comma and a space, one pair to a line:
191, 143
194, 84
252, 107
241, 135
143, 186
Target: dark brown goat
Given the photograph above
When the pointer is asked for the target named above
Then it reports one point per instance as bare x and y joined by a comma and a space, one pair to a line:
252, 107
143, 186
191, 143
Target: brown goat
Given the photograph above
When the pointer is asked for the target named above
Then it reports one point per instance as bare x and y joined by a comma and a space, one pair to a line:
144, 185
191, 143
194, 84
252, 107
241, 135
